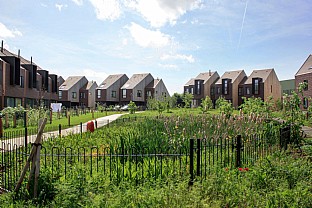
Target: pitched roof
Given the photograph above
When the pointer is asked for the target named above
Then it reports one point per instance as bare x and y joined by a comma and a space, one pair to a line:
111, 79
190, 82
134, 80
261, 73
205, 76
90, 84
70, 81
153, 83
306, 66
230, 75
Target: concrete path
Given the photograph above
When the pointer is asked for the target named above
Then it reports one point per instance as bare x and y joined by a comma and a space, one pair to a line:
11, 144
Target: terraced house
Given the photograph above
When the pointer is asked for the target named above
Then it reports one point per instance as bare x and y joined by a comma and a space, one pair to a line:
304, 74
108, 92
262, 84
228, 86
24, 83
201, 86
77, 91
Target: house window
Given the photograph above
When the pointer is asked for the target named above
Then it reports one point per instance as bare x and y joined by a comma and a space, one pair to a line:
240, 91
139, 93
247, 91
113, 94
197, 88
98, 94
305, 103
306, 84
60, 94
164, 94
256, 86
218, 90
149, 93
225, 86
212, 91
271, 88
82, 95
22, 81
74, 95
124, 93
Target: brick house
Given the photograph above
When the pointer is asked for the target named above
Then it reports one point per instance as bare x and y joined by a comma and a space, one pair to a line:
77, 91
109, 90
201, 86
262, 83
24, 83
304, 74
156, 89
228, 86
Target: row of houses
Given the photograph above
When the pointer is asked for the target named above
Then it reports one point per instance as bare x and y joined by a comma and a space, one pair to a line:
24, 83
234, 85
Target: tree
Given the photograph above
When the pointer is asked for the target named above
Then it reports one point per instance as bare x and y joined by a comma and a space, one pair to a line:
224, 106
187, 99
132, 107
206, 104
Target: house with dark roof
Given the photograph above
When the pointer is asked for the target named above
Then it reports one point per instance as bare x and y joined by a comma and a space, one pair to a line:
70, 89
201, 86
24, 83
108, 92
304, 74
228, 86
261, 83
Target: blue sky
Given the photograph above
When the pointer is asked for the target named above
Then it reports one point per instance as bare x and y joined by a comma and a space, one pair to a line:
172, 39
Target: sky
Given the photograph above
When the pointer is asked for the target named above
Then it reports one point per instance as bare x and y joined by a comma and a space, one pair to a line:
174, 40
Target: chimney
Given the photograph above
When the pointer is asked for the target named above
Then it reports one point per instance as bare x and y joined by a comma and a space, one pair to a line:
209, 72
19, 53
2, 46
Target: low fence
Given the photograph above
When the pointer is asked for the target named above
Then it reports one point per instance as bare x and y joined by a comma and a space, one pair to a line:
197, 159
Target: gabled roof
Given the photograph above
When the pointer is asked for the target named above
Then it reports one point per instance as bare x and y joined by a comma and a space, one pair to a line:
261, 73
205, 76
111, 79
70, 82
90, 84
153, 83
230, 75
134, 80
190, 82
306, 66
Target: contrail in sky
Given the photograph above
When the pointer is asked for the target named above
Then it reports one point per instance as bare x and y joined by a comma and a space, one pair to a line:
240, 35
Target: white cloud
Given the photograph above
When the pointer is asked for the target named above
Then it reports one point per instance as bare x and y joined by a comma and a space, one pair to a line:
43, 5
7, 33
169, 66
148, 38
106, 9
189, 58
125, 41
160, 12
60, 6
78, 2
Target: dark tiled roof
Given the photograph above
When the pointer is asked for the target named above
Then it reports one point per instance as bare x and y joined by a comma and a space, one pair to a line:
205, 76
111, 79
230, 75
190, 82
261, 73
306, 67
70, 81
134, 80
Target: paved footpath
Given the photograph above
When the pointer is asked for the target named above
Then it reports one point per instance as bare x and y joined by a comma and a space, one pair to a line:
11, 144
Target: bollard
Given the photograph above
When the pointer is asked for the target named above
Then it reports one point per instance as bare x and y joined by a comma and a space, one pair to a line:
81, 128
96, 124
26, 138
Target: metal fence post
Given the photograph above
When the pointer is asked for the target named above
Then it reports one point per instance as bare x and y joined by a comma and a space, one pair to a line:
238, 151
191, 182
60, 130
26, 142
80, 127
198, 157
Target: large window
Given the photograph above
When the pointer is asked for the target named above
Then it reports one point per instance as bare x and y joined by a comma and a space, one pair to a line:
114, 94
218, 90
305, 103
149, 93
74, 95
60, 94
124, 93
225, 86
212, 91
82, 95
256, 86
22, 81
192, 90
98, 94
197, 91
139, 93
240, 91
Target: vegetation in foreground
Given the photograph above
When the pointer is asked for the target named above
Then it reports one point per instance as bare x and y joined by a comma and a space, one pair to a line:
280, 180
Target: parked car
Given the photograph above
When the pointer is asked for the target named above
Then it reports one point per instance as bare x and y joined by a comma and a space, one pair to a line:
124, 108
